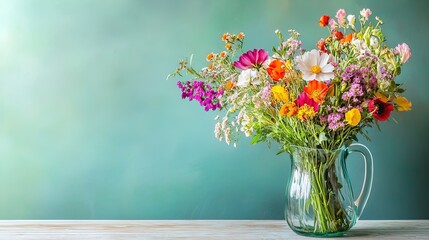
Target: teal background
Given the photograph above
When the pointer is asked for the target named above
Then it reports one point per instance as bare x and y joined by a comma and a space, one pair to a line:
91, 129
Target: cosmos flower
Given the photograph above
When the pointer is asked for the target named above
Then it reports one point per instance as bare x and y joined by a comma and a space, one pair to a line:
315, 66
251, 59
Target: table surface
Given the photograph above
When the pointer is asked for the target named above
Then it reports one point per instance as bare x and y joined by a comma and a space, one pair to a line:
196, 229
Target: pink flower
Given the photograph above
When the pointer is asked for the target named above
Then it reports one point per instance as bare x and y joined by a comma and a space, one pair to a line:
404, 52
341, 16
332, 24
303, 99
251, 59
366, 12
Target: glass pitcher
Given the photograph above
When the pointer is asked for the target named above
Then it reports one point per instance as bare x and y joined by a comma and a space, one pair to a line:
319, 196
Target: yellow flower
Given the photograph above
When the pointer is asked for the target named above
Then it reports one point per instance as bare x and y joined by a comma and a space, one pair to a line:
382, 97
353, 117
403, 104
305, 112
280, 94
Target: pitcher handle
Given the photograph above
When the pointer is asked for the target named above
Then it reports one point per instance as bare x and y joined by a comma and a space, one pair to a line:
360, 202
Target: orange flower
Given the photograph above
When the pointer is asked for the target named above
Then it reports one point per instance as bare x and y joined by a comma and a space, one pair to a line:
276, 70
288, 110
210, 57
210, 67
347, 38
324, 20
225, 37
229, 85
316, 90
223, 54
228, 46
240, 36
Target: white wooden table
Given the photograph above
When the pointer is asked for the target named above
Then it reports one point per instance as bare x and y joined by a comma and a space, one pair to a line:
195, 229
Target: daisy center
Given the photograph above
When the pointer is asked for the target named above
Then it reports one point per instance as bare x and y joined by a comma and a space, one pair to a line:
316, 69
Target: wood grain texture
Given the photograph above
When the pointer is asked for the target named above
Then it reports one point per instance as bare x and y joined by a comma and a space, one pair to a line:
195, 229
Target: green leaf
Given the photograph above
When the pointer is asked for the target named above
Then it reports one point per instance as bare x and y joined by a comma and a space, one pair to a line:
322, 137
280, 152
255, 139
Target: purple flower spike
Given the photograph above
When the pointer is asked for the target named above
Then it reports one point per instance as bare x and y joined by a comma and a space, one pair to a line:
251, 59
203, 93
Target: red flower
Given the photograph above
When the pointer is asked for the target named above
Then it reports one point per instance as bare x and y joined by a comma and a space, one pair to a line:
323, 22
380, 110
338, 34
321, 45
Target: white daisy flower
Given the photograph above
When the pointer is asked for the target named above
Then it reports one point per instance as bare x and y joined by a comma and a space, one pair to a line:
315, 66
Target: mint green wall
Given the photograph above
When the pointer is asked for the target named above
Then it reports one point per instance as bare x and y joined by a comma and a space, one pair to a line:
90, 128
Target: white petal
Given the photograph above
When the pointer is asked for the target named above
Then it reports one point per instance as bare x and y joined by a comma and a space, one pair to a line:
327, 68
308, 76
302, 67
325, 76
313, 58
323, 60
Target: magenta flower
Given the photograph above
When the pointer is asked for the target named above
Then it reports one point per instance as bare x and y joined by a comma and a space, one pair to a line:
251, 59
303, 99
203, 93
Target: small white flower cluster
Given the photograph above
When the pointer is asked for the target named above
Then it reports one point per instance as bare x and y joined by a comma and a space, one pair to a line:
223, 130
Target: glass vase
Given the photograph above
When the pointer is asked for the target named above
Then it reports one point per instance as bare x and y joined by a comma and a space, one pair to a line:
319, 196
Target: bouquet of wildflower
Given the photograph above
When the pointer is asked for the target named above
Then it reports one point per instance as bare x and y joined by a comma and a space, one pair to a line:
317, 99
320, 98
